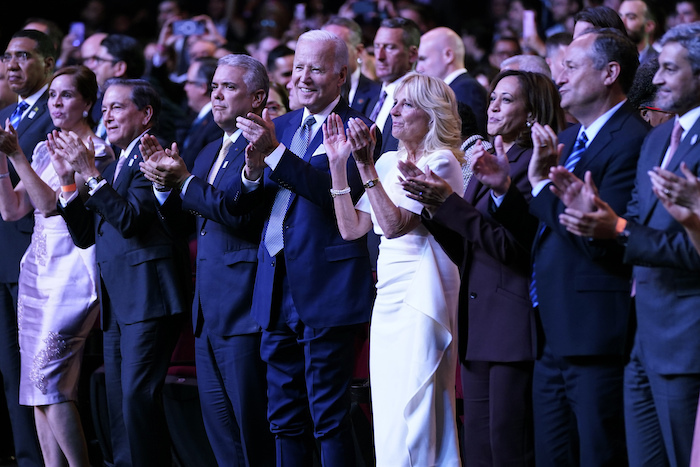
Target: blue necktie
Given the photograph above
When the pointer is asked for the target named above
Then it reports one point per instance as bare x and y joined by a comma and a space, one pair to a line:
378, 107
576, 152
274, 238
17, 114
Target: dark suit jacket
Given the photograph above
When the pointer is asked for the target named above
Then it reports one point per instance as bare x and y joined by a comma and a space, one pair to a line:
16, 235
142, 268
227, 245
496, 320
470, 92
667, 266
583, 288
329, 278
367, 92
199, 134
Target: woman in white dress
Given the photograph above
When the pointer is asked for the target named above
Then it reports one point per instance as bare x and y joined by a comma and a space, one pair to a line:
57, 302
413, 353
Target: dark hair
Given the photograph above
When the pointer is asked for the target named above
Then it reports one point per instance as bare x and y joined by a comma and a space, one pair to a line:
282, 92
541, 98
143, 94
54, 32
355, 37
512, 39
206, 70
43, 44
277, 52
469, 124
601, 17
128, 50
557, 40
411, 33
85, 83
643, 90
610, 45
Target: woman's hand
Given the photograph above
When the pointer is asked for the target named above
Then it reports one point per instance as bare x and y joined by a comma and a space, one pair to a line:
492, 170
425, 187
546, 152
80, 157
9, 143
63, 169
363, 141
337, 145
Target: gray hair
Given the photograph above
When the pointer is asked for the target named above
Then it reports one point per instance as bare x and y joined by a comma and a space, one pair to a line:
340, 49
531, 63
688, 36
255, 76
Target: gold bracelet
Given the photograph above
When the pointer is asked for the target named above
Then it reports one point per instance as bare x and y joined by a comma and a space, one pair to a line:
371, 183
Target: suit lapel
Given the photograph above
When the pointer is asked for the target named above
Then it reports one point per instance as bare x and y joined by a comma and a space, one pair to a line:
126, 168
234, 152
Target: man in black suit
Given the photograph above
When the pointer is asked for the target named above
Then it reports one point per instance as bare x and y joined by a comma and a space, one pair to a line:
230, 372
312, 287
441, 54
29, 61
203, 129
582, 294
144, 276
358, 89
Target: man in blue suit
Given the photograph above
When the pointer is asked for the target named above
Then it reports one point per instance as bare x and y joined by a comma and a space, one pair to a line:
312, 287
581, 294
441, 54
144, 276
230, 372
662, 379
29, 61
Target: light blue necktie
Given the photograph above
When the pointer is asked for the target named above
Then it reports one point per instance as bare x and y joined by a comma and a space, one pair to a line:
274, 238
16, 116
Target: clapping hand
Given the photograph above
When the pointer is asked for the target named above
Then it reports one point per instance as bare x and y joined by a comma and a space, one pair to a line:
163, 167
73, 150
546, 152
426, 187
571, 190
63, 169
492, 170
680, 196
260, 132
363, 141
336, 143
9, 143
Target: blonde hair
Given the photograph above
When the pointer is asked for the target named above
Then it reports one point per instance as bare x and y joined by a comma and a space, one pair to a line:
436, 99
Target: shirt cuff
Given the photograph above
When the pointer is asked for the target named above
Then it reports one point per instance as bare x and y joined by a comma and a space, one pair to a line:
274, 158
161, 196
498, 200
99, 185
65, 201
185, 185
539, 186
249, 185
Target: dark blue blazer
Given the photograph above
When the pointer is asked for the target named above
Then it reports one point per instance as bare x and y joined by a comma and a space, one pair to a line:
199, 134
227, 245
469, 91
367, 93
143, 269
329, 278
666, 264
583, 288
16, 235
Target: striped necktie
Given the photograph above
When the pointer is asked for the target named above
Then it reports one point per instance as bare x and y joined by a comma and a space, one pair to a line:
378, 107
16, 116
576, 152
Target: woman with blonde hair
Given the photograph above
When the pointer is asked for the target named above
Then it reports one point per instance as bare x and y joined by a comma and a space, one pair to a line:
413, 351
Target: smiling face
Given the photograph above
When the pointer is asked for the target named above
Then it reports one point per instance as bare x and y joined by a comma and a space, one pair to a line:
66, 104
26, 70
409, 124
122, 119
316, 83
230, 97
507, 114
678, 87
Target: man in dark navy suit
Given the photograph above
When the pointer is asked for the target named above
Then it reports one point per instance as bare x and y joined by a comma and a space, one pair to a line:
441, 54
230, 372
144, 276
581, 294
203, 129
360, 89
29, 61
312, 288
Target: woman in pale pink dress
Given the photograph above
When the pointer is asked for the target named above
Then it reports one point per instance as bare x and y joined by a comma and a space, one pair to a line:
57, 302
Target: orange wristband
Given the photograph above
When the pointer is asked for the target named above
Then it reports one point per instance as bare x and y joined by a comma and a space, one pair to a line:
68, 188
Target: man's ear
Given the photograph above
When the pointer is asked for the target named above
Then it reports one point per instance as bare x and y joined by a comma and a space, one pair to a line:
258, 100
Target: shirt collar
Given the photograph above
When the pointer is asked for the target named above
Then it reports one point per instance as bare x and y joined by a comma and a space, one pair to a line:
31, 100
599, 122
205, 110
452, 76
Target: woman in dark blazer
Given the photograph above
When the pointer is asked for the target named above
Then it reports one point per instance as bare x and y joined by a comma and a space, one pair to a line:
497, 333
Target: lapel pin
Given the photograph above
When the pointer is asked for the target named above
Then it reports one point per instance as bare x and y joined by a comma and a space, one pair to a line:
694, 139
225, 165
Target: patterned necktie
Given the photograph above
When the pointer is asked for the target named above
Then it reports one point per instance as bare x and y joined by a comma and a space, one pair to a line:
675, 142
378, 107
219, 160
120, 164
274, 238
17, 114
576, 152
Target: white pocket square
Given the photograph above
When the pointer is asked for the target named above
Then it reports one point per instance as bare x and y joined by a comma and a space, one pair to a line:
319, 151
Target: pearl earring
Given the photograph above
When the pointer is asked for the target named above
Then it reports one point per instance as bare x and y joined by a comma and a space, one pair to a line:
528, 124
85, 114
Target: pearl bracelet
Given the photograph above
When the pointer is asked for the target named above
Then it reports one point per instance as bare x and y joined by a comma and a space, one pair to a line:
344, 191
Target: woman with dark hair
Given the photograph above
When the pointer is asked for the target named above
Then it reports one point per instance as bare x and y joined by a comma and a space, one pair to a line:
497, 333
57, 302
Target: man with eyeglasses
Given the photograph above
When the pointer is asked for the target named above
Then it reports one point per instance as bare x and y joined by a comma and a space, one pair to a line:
29, 61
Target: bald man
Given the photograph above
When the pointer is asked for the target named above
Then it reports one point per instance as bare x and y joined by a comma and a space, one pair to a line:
441, 54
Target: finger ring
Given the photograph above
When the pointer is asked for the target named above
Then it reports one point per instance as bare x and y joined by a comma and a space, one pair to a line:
420, 194
543, 145
667, 192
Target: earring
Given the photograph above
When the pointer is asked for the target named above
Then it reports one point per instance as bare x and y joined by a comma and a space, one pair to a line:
85, 114
528, 124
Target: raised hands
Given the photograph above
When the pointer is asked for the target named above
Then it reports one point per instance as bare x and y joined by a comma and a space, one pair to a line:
572, 191
337, 145
363, 141
72, 149
492, 170
63, 169
680, 196
164, 167
426, 187
545, 153
9, 143
260, 132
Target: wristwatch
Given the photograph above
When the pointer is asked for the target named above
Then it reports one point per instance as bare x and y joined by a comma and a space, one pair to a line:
92, 182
